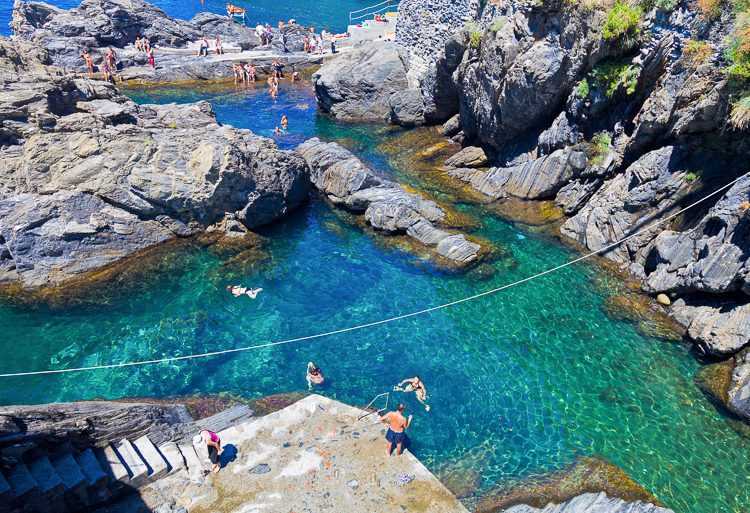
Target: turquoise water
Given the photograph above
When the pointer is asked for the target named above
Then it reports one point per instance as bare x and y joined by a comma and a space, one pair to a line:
520, 383
330, 14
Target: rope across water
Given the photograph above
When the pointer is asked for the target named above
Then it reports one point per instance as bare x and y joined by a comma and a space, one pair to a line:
382, 321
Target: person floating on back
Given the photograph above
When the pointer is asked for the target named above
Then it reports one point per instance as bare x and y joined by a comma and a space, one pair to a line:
213, 444
238, 290
314, 375
397, 426
414, 385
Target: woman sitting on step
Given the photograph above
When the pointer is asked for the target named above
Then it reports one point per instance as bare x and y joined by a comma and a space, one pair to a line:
213, 444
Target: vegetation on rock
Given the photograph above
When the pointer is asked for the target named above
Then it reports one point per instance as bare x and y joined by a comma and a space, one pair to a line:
475, 35
710, 9
611, 75
740, 116
696, 52
600, 145
622, 23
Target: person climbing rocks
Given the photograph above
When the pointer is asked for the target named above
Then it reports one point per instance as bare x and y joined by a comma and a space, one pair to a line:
314, 375
397, 426
415, 385
213, 444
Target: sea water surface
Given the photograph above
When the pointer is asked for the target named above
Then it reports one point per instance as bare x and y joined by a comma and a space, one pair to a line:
520, 383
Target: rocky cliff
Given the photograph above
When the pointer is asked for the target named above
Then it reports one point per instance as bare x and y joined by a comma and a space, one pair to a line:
89, 177
620, 112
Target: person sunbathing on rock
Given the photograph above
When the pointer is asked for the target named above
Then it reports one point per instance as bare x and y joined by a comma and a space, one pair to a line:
238, 290
414, 385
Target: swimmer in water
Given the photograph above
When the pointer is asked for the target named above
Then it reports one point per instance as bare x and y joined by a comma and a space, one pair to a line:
414, 385
238, 291
314, 375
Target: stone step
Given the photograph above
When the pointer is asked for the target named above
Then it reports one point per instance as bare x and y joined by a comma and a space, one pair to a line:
51, 488
157, 465
75, 483
112, 465
226, 418
22, 483
172, 454
91, 468
45, 475
5, 490
193, 463
137, 468
69, 471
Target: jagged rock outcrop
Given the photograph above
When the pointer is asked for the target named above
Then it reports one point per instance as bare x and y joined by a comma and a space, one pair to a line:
536, 179
592, 503
90, 177
386, 206
738, 393
368, 84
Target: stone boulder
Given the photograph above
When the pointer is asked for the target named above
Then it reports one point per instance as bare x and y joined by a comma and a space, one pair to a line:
407, 108
347, 182
719, 327
471, 156
710, 258
212, 25
540, 178
739, 389
90, 177
358, 85
592, 503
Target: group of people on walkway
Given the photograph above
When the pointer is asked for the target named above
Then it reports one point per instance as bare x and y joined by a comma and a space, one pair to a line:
204, 46
142, 44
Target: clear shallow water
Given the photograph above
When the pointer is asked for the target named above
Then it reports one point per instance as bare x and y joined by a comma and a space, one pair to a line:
520, 383
330, 14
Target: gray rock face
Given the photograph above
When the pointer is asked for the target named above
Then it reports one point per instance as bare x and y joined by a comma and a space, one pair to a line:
720, 328
423, 31
710, 258
592, 503
90, 177
358, 85
648, 188
407, 108
212, 25
521, 74
535, 179
386, 206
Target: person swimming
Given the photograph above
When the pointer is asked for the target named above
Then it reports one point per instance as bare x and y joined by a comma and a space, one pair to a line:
314, 375
238, 290
284, 122
415, 385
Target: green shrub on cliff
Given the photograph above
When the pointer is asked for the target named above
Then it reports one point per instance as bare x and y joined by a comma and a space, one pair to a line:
740, 116
497, 24
475, 34
583, 89
600, 145
696, 52
610, 76
738, 50
622, 23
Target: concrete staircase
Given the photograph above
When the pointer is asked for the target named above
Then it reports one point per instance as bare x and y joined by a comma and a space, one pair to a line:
71, 481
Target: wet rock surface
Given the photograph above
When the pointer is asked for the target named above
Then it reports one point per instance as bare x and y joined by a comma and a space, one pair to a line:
386, 206
90, 177
592, 503
367, 84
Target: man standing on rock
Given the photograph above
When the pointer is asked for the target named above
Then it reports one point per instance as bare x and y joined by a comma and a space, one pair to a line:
397, 425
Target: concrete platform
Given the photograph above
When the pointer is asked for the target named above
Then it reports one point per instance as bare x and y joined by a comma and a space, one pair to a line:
311, 456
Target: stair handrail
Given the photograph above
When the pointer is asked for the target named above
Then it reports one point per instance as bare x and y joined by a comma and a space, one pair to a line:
387, 398
380, 7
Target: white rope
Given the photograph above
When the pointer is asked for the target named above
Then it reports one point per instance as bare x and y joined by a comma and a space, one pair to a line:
380, 322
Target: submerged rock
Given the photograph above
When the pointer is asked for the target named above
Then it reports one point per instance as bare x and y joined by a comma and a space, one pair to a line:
347, 182
592, 503
90, 177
